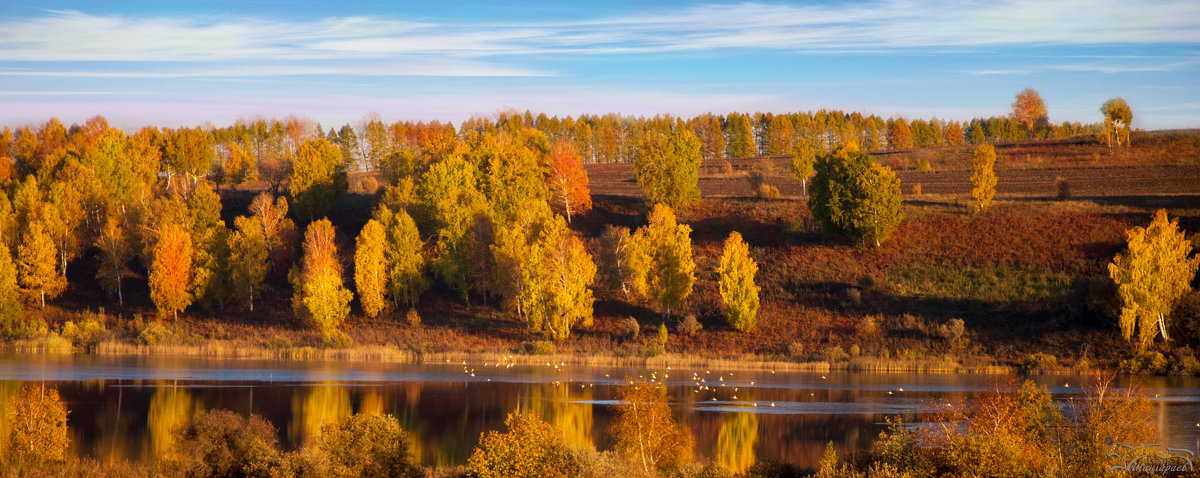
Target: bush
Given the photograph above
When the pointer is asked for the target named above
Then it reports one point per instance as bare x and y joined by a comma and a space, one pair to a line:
766, 191
529, 448
222, 443
367, 445
651, 349
629, 328
952, 331
539, 347
834, 353
88, 333
38, 435
155, 333
1062, 189
662, 336
688, 326
798, 351
336, 339
1148, 361
923, 165
413, 318
868, 283
278, 342
1038, 362
586, 462
853, 298
916, 189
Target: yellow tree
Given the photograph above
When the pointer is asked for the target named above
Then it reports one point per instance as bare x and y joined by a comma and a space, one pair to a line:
210, 246
115, 253
36, 260
531, 448
568, 180
11, 311
645, 431
1153, 273
371, 268
320, 296
738, 290
1118, 119
239, 165
899, 134
271, 214
405, 256
171, 271
248, 259
669, 267
983, 177
804, 156
1030, 110
566, 298
318, 178
190, 151
667, 166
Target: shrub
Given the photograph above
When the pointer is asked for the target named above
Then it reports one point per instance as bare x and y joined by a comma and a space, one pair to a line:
662, 337
868, 283
529, 448
651, 349
222, 443
952, 331
278, 342
1148, 361
798, 351
923, 165
1038, 362
413, 318
38, 427
766, 191
853, 298
868, 328
367, 445
155, 333
1062, 189
834, 353
87, 334
336, 339
916, 189
629, 328
539, 347
688, 325
586, 462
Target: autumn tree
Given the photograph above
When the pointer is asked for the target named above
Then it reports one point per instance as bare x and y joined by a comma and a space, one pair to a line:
954, 134
1118, 120
669, 267
1030, 111
623, 265
899, 134
983, 177
11, 311
371, 268
36, 259
646, 433
449, 197
318, 178
190, 151
171, 271
320, 297
405, 257
248, 259
530, 448
240, 165
568, 180
115, 254
739, 293
856, 196
803, 158
271, 214
667, 167
1152, 275
37, 423
210, 247
740, 142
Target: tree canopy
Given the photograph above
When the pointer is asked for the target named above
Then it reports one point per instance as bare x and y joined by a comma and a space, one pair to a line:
856, 196
1152, 274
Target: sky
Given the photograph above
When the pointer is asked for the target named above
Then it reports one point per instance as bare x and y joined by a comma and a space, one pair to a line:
177, 63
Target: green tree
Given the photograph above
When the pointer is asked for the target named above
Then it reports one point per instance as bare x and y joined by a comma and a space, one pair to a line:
803, 158
669, 267
450, 198
977, 136
36, 258
210, 246
318, 179
248, 259
1153, 273
983, 177
740, 143
38, 432
855, 196
320, 296
646, 433
738, 291
171, 271
667, 167
1118, 120
530, 448
405, 257
115, 254
371, 268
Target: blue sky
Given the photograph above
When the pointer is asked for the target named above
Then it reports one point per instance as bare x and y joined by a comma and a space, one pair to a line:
186, 63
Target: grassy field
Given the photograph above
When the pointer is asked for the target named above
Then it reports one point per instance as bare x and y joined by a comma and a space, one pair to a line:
950, 289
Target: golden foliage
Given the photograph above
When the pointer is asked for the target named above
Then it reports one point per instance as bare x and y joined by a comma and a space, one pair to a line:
171, 271
738, 290
568, 180
530, 448
983, 177
320, 297
38, 421
1153, 273
646, 433
371, 267
36, 258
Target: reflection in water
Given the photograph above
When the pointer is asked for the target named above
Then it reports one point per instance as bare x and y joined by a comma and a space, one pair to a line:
170, 408
371, 404
568, 408
7, 389
735, 442
322, 404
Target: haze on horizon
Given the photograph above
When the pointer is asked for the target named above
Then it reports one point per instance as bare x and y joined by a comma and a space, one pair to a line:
188, 63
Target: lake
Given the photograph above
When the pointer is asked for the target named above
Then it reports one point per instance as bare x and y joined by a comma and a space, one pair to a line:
126, 407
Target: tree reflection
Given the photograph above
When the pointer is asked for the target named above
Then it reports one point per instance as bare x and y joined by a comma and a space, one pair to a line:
321, 404
560, 405
7, 389
735, 442
170, 407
